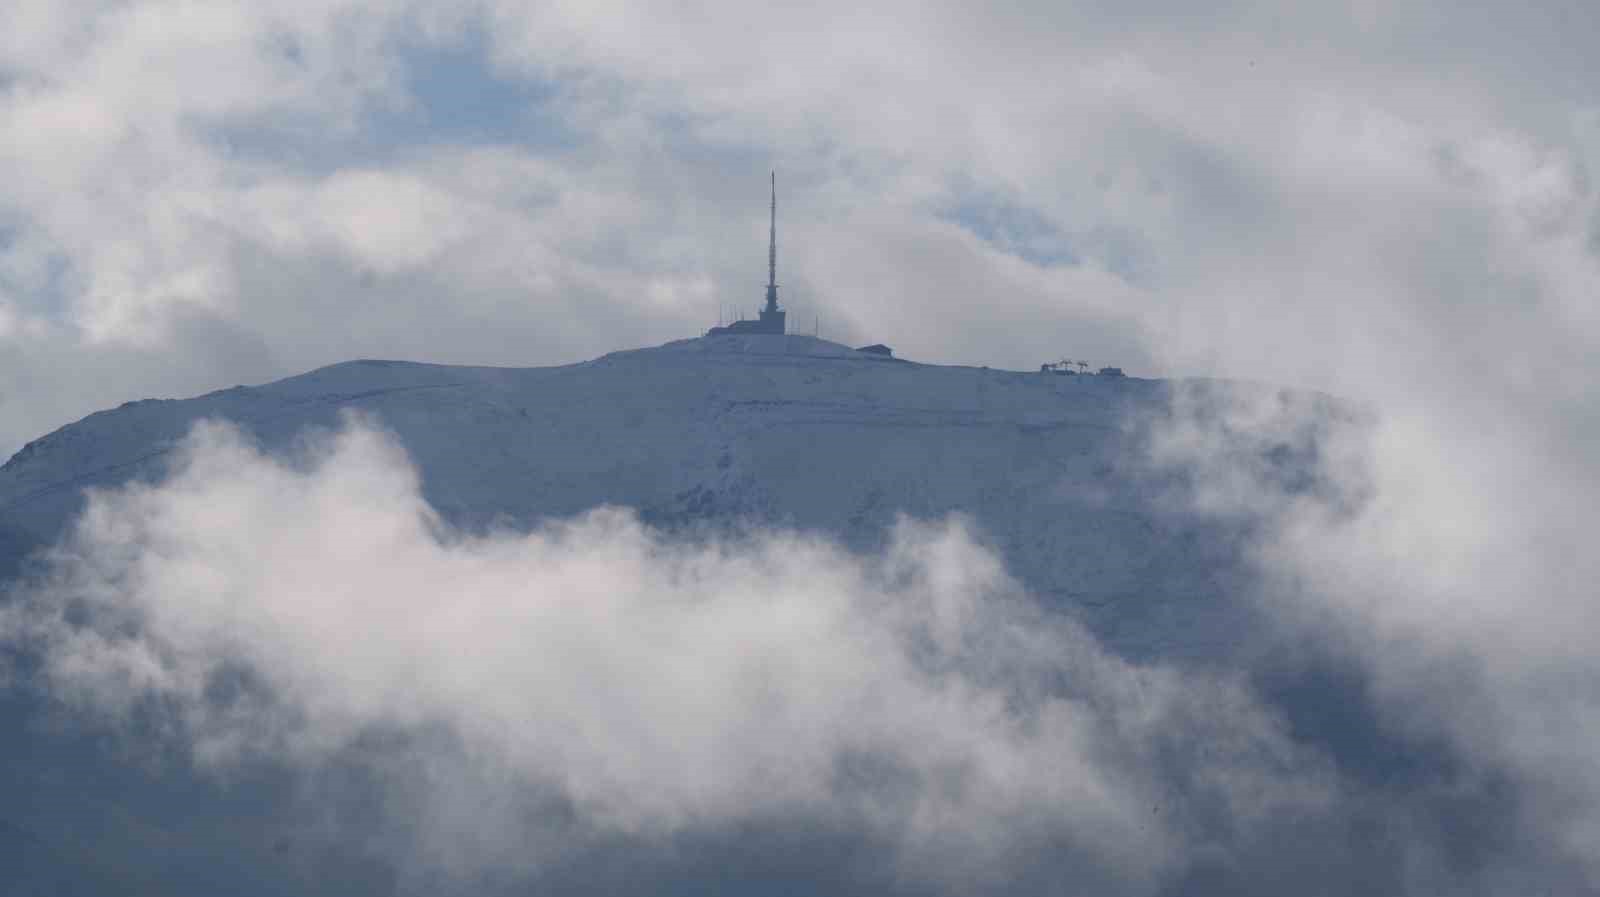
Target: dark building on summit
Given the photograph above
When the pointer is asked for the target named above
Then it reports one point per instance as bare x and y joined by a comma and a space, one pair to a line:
771, 320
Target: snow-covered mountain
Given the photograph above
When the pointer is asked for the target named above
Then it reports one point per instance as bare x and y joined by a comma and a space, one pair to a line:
1055, 472
787, 430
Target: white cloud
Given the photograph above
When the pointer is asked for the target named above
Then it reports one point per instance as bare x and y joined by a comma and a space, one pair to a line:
654, 686
1449, 558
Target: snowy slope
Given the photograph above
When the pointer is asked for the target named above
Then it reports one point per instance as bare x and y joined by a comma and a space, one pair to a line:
790, 430
718, 432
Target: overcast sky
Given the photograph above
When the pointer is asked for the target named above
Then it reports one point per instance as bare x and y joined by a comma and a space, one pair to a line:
1390, 201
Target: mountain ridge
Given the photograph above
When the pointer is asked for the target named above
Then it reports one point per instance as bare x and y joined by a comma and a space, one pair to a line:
785, 431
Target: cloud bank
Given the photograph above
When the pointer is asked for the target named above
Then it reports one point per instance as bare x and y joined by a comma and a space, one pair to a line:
1449, 580
591, 679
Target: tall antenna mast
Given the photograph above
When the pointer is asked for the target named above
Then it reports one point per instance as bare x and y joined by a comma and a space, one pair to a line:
772, 251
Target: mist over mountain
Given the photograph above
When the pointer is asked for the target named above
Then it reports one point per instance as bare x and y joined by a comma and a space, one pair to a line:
746, 612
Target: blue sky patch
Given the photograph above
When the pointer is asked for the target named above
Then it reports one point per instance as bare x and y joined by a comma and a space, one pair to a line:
452, 96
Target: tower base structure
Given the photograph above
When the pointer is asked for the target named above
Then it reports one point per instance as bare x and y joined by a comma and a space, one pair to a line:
772, 317
771, 321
